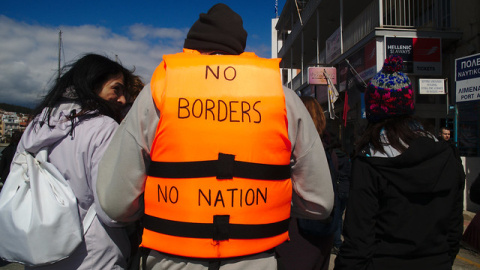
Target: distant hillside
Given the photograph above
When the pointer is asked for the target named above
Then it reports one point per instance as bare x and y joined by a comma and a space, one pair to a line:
15, 108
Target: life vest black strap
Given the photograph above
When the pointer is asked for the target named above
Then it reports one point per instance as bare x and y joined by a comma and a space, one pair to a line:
219, 230
226, 167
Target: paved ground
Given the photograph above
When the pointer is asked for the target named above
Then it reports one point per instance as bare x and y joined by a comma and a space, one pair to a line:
467, 259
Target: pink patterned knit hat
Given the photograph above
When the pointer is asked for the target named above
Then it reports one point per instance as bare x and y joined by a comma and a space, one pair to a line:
389, 93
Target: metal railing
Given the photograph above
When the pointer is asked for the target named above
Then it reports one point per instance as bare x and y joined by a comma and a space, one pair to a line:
436, 14
361, 26
432, 14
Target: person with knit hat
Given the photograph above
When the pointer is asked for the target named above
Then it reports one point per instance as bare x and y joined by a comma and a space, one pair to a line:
215, 155
389, 93
406, 193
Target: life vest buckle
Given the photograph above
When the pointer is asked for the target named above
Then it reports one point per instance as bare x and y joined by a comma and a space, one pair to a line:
221, 227
225, 166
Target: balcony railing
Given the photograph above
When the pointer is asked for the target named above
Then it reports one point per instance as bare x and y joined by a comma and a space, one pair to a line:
435, 14
361, 26
420, 14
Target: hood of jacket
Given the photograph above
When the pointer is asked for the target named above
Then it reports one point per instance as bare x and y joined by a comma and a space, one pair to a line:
40, 134
422, 168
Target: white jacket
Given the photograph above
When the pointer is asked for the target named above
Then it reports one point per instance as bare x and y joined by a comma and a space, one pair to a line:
77, 156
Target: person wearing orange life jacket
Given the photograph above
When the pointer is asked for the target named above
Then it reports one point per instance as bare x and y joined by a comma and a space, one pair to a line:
230, 119
209, 162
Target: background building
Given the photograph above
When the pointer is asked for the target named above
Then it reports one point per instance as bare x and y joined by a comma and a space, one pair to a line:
355, 36
9, 123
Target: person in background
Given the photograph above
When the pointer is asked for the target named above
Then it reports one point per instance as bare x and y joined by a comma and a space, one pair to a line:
133, 89
444, 134
136, 85
342, 166
405, 206
310, 241
7, 156
214, 163
76, 120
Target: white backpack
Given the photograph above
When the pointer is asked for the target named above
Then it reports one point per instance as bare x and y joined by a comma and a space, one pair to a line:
39, 219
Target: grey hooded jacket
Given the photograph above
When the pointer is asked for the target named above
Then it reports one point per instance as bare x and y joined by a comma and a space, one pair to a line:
76, 155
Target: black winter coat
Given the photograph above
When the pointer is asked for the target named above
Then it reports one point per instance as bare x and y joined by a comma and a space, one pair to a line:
404, 212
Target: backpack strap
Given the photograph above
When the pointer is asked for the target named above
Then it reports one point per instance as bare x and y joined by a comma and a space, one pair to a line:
42, 156
88, 219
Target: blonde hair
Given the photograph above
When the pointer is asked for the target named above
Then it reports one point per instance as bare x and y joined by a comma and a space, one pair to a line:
316, 112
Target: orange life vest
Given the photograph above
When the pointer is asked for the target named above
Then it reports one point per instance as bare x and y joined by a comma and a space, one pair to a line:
219, 182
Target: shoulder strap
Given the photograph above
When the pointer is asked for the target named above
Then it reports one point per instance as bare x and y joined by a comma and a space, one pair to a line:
88, 219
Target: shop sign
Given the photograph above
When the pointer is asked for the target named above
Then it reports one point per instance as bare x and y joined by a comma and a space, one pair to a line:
316, 75
467, 77
421, 56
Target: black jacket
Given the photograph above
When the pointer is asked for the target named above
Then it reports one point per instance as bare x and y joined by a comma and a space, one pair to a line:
6, 159
404, 212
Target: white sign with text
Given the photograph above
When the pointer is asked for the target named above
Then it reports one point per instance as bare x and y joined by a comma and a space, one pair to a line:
432, 86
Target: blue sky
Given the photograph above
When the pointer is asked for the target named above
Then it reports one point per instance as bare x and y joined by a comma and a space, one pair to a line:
137, 32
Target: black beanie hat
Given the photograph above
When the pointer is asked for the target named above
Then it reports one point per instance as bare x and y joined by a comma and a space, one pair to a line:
221, 29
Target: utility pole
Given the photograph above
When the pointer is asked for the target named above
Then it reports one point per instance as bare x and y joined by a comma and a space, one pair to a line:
276, 8
59, 52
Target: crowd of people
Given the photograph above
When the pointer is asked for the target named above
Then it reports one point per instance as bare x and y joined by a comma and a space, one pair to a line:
229, 169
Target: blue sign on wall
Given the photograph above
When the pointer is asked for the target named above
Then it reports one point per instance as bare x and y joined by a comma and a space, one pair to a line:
467, 77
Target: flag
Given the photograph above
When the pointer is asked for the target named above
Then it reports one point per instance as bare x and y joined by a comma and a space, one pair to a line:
346, 108
332, 96
355, 86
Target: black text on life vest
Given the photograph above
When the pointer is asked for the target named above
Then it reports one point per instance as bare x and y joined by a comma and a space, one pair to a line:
233, 196
229, 73
219, 110
168, 194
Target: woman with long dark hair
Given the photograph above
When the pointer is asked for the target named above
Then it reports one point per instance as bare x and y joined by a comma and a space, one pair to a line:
310, 241
406, 196
75, 121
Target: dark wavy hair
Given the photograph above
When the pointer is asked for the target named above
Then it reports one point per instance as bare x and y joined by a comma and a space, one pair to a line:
82, 80
400, 130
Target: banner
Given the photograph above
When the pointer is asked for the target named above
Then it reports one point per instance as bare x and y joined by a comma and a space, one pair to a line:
421, 56
333, 46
